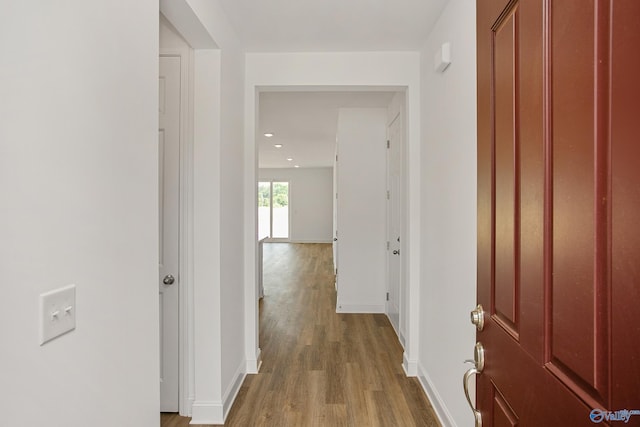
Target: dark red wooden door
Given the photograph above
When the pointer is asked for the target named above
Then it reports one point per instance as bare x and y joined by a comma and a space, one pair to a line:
559, 211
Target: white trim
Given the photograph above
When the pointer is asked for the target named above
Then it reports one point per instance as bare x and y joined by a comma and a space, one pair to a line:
253, 365
398, 335
251, 291
214, 412
395, 323
206, 256
410, 367
231, 393
188, 350
187, 405
401, 339
360, 308
437, 403
207, 412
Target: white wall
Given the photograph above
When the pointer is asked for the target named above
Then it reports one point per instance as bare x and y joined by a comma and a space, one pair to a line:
449, 212
335, 71
310, 202
362, 210
170, 38
219, 361
230, 204
78, 178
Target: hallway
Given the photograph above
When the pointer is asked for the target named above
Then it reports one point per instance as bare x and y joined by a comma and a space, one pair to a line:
321, 368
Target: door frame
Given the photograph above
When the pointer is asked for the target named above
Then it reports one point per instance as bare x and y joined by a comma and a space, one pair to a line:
186, 390
410, 86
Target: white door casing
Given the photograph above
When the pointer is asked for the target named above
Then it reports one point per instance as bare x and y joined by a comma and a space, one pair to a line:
335, 215
394, 212
169, 226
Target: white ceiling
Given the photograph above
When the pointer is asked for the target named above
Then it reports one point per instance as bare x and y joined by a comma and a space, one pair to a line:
332, 25
305, 123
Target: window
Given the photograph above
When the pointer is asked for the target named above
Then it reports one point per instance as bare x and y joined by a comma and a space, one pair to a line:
264, 210
273, 209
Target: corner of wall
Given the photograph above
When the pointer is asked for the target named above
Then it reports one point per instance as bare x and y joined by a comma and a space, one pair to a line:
231, 393
438, 405
410, 367
448, 217
205, 412
253, 365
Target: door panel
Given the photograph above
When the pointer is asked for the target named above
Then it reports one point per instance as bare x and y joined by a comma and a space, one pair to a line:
503, 413
505, 74
573, 215
558, 195
394, 174
169, 195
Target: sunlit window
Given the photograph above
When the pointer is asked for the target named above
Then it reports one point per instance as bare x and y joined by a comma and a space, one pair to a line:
273, 209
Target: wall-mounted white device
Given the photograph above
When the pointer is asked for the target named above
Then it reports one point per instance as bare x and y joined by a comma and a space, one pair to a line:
57, 313
442, 58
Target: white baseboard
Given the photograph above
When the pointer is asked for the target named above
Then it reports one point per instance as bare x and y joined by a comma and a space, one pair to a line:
206, 412
311, 241
232, 391
253, 365
211, 412
360, 308
187, 405
395, 324
410, 366
439, 407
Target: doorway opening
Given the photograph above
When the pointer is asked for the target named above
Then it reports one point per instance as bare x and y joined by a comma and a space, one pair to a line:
283, 150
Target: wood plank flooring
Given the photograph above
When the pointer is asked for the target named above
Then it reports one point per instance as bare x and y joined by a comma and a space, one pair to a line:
321, 368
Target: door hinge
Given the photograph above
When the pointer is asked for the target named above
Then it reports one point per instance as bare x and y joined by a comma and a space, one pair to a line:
388, 144
388, 245
336, 157
388, 195
387, 296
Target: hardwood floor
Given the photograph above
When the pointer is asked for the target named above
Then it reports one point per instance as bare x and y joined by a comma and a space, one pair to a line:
321, 368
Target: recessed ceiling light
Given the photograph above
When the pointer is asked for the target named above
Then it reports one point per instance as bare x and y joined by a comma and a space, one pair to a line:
296, 166
268, 134
278, 145
289, 159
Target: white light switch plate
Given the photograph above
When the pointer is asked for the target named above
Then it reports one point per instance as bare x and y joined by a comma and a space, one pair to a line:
57, 313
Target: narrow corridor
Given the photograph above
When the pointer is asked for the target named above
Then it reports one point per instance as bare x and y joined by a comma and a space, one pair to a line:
321, 368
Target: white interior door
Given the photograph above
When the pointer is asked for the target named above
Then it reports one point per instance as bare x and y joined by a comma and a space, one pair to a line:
394, 173
169, 199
